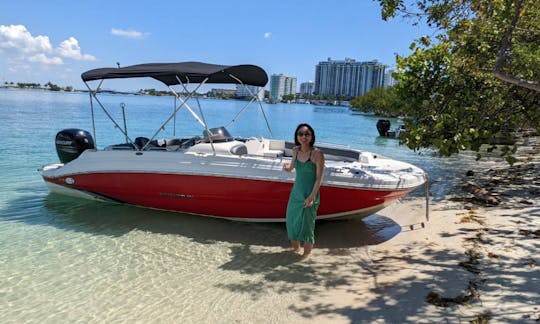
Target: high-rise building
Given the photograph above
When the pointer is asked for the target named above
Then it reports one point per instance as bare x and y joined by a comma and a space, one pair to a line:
389, 81
249, 91
307, 88
281, 85
347, 77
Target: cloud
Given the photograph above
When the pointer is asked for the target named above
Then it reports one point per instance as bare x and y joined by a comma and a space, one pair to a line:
42, 58
18, 43
267, 35
17, 38
70, 49
128, 33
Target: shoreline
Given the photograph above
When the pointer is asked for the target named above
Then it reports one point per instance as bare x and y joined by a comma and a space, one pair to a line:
473, 262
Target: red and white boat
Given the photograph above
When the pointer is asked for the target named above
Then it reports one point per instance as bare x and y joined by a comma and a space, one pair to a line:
216, 174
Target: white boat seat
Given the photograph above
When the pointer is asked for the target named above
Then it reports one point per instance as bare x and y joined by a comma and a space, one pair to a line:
224, 148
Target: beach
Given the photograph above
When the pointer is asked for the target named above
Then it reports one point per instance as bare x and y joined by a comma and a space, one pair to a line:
472, 262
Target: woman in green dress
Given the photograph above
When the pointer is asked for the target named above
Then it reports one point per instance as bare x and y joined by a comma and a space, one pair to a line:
308, 162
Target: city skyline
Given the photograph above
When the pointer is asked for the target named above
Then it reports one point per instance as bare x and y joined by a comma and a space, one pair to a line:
348, 77
56, 42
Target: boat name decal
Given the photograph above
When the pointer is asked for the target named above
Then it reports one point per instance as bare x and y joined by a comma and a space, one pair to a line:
175, 195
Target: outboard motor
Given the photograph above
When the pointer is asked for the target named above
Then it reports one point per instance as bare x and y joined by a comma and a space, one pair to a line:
383, 126
70, 143
218, 134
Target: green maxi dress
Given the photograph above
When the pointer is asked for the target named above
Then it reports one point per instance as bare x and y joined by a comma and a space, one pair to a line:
300, 220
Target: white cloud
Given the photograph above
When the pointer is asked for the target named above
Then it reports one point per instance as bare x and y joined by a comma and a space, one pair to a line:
17, 38
19, 44
42, 58
267, 35
70, 49
128, 33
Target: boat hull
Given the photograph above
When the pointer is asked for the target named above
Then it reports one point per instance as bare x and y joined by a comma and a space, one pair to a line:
225, 197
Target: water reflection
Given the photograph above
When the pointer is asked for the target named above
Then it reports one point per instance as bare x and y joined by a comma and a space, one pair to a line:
110, 219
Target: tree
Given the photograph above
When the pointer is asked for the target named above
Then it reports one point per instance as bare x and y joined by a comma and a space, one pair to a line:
52, 86
382, 102
500, 36
477, 80
288, 97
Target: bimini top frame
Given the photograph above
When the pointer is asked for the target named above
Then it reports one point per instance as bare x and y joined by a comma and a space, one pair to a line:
183, 74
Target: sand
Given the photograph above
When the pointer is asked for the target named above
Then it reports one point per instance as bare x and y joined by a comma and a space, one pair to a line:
471, 262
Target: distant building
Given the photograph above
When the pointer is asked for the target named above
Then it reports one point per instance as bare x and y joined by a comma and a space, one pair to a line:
307, 88
249, 91
347, 77
222, 92
389, 81
281, 85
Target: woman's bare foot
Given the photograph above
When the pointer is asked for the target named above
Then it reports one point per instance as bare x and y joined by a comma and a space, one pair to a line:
295, 246
307, 250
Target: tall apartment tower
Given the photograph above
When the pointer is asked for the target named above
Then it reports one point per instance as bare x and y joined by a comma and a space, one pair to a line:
389, 81
281, 85
307, 88
347, 77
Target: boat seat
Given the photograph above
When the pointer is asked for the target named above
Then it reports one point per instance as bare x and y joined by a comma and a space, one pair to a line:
264, 147
223, 148
175, 144
330, 153
140, 142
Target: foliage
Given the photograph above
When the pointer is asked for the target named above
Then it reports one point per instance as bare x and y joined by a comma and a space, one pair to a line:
27, 85
477, 80
52, 86
288, 97
383, 102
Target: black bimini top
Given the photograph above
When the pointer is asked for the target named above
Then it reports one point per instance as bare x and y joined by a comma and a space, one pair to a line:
186, 72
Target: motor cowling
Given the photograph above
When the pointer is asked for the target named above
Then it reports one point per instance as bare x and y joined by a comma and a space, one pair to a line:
70, 143
383, 126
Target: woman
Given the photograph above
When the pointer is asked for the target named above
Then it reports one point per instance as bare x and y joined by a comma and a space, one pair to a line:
304, 198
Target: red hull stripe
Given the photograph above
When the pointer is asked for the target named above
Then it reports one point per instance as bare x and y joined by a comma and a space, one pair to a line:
218, 196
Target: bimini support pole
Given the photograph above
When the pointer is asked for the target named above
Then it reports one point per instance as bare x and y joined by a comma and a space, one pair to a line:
93, 94
183, 103
241, 110
92, 112
174, 121
205, 125
258, 101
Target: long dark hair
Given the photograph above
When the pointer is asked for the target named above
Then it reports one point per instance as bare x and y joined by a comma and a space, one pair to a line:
312, 142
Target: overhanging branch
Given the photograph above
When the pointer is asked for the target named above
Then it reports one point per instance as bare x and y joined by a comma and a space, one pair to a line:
516, 81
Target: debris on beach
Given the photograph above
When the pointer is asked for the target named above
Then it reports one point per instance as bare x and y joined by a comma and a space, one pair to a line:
470, 294
482, 194
481, 319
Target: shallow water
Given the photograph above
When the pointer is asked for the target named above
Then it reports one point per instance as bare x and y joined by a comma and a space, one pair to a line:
67, 260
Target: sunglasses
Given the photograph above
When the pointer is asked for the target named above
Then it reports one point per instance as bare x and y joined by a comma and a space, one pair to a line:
307, 134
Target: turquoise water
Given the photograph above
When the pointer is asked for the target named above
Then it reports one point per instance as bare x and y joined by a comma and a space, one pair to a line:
66, 260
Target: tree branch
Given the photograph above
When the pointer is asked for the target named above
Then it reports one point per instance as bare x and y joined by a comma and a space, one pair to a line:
516, 81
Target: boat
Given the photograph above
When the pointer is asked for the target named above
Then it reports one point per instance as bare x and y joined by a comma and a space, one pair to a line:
214, 174
384, 128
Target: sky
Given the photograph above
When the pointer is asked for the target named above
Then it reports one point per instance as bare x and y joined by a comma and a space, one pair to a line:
56, 41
